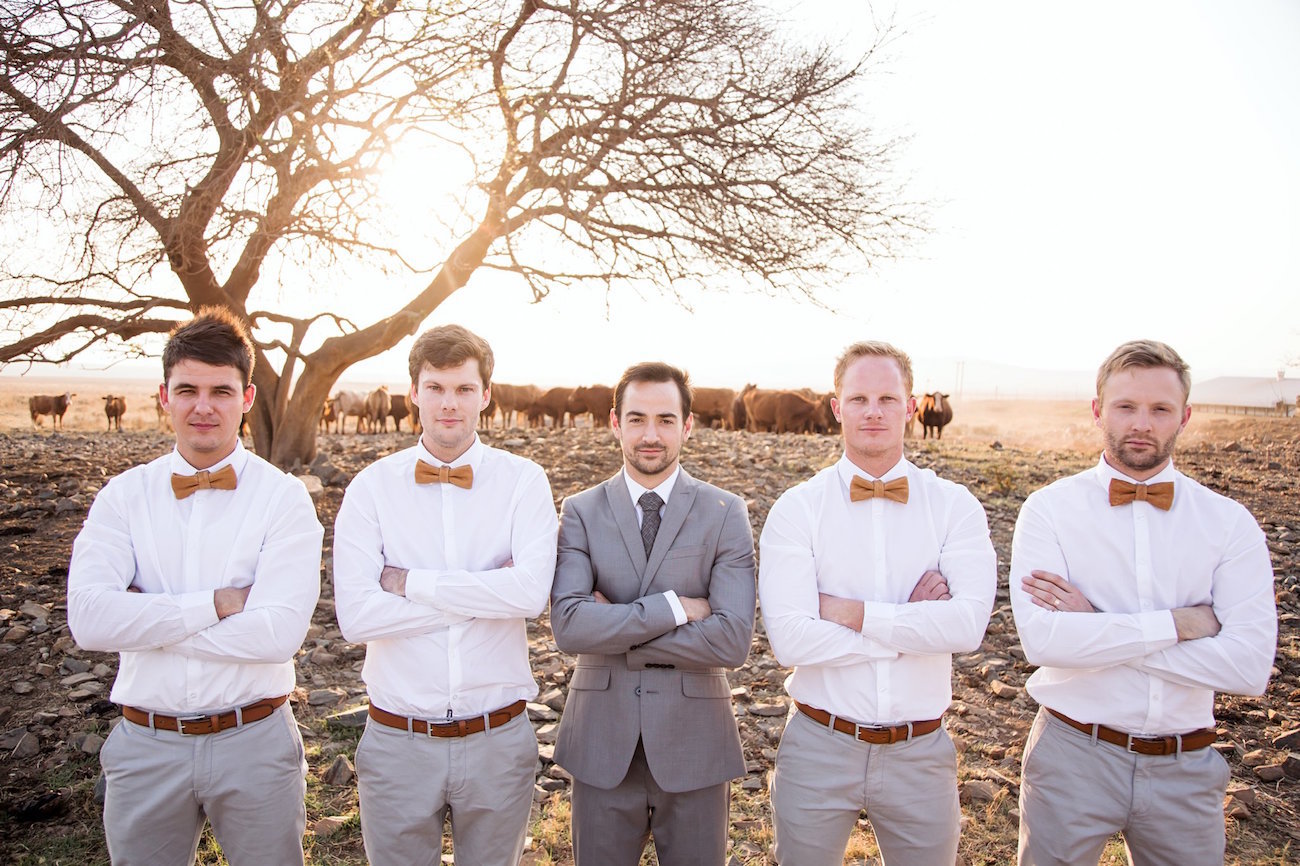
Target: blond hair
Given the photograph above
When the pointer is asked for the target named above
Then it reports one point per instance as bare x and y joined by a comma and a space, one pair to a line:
1145, 354
877, 349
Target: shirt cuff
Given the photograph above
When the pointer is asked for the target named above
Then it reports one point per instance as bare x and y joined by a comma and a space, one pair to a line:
1158, 629
679, 612
878, 620
198, 610
422, 585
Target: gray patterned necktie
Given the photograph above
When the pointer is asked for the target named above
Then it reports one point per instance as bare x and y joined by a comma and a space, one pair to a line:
650, 503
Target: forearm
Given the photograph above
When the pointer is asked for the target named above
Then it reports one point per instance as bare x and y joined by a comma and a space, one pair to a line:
722, 640
584, 625
954, 625
801, 639
105, 619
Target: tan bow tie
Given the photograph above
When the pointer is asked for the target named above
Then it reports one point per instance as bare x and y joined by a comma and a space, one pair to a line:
427, 473
861, 489
1160, 495
185, 485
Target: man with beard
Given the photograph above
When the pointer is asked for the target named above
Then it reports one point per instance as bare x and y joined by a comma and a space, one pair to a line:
872, 574
1140, 594
442, 552
654, 589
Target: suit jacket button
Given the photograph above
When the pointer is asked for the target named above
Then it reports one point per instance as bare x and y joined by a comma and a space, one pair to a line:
637, 690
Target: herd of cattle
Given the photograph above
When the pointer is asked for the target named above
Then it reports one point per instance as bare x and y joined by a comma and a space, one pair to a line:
752, 408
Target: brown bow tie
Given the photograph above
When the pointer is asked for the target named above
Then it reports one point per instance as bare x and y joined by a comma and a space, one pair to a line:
185, 485
1160, 495
427, 473
861, 489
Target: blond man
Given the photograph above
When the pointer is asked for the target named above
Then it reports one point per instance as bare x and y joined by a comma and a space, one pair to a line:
1140, 594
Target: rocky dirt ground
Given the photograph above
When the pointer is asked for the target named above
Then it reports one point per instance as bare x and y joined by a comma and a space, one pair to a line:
54, 715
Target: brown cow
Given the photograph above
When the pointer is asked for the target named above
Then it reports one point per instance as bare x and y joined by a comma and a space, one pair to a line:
346, 405
595, 401
713, 405
164, 420
53, 405
760, 410
513, 400
824, 418
739, 420
795, 412
554, 403
327, 416
114, 408
936, 412
378, 405
400, 409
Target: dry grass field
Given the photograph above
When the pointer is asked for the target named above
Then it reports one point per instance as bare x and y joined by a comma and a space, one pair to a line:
52, 719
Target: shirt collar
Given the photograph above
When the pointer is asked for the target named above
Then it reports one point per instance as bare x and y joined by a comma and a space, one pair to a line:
1105, 472
472, 456
236, 459
847, 469
665, 488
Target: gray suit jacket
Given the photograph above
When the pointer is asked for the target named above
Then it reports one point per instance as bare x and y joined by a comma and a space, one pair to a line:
639, 675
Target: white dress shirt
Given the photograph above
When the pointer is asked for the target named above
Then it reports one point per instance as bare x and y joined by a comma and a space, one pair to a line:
1123, 665
664, 490
899, 667
457, 645
176, 656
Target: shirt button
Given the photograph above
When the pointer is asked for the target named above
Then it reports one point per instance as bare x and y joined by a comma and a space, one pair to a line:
637, 691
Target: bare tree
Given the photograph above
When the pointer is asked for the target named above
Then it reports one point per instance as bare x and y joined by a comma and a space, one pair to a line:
188, 147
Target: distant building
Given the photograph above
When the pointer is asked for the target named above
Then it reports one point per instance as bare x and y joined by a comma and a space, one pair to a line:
1248, 395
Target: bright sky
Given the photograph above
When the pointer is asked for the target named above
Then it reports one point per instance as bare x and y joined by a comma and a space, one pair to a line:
1099, 171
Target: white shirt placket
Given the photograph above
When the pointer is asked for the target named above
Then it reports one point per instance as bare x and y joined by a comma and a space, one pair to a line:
880, 590
452, 559
1144, 569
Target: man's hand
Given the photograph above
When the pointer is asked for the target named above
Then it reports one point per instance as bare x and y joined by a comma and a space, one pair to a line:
1055, 593
393, 580
599, 597
932, 586
230, 600
847, 612
1195, 622
696, 608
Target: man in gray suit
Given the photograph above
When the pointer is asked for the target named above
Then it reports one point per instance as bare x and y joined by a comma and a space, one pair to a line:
654, 589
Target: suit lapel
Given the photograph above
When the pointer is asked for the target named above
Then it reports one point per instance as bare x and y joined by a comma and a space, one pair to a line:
678, 506
620, 504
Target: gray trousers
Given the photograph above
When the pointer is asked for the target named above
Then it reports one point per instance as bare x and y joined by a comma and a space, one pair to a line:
611, 826
1076, 793
248, 781
409, 782
824, 778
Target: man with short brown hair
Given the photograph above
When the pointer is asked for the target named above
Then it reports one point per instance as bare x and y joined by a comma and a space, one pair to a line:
871, 575
201, 569
1140, 594
442, 551
654, 590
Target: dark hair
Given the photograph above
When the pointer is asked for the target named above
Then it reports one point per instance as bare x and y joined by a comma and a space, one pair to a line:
214, 336
653, 371
1145, 354
451, 346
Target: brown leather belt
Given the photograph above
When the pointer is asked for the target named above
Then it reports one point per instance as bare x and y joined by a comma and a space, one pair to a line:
461, 728
1170, 745
878, 735
210, 724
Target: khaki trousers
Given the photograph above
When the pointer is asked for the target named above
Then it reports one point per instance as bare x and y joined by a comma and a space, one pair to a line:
824, 778
248, 781
409, 783
611, 827
1076, 793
